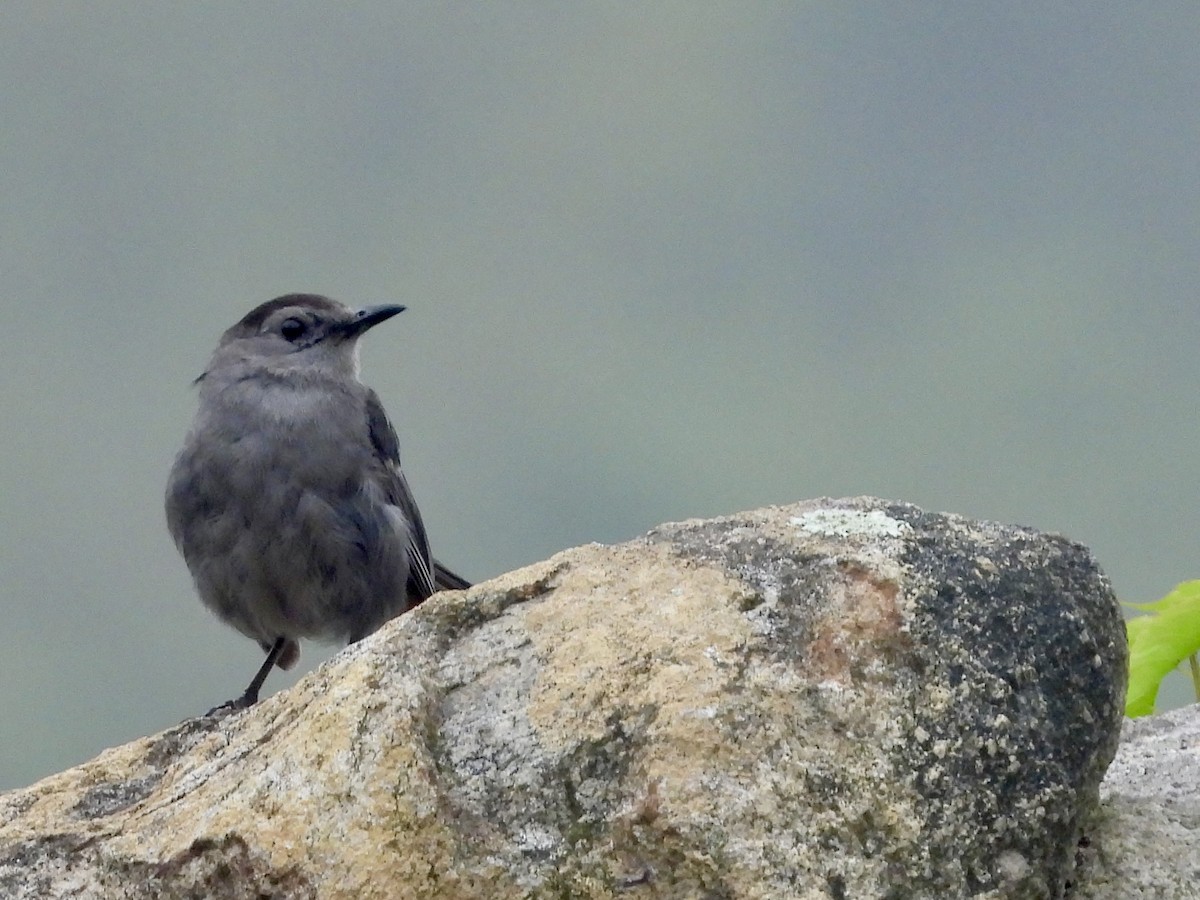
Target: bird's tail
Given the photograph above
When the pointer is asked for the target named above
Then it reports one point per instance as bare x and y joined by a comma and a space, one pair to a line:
445, 580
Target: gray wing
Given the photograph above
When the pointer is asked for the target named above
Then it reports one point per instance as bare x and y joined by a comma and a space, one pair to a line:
395, 488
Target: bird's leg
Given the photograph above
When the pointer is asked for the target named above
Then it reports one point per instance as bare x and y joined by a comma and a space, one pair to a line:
250, 695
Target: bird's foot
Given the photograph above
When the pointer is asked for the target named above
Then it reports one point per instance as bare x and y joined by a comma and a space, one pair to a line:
238, 704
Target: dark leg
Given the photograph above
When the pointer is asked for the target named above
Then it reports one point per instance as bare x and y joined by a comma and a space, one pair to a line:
250, 696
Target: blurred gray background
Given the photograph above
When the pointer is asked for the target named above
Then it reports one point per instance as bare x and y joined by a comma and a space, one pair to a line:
665, 262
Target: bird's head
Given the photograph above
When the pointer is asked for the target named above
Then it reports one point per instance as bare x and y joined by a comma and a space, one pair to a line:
303, 332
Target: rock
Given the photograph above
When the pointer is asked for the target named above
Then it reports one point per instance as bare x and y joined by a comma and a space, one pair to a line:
1146, 841
836, 699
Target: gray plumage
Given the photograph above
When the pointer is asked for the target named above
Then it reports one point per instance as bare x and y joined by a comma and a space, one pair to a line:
287, 500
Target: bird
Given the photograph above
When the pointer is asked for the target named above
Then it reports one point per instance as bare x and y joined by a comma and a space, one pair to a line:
287, 499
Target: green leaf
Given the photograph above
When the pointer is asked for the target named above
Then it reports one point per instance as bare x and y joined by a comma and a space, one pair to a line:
1159, 642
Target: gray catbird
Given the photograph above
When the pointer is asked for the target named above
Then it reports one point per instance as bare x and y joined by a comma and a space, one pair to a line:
287, 500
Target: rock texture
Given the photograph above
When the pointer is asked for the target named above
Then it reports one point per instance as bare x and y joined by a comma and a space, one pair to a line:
1146, 841
836, 699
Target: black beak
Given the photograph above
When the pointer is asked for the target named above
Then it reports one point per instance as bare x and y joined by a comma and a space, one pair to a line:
368, 317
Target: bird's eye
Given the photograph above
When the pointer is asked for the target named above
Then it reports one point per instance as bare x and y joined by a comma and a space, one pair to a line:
291, 329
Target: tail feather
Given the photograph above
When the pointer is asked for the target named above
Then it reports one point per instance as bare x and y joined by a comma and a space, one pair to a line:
445, 580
